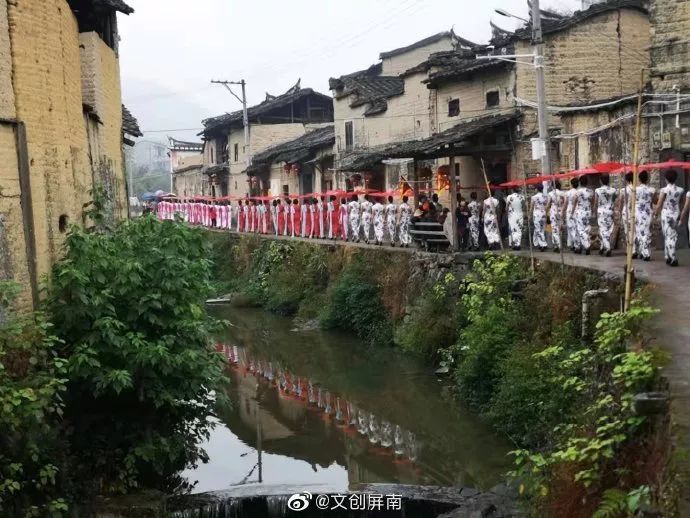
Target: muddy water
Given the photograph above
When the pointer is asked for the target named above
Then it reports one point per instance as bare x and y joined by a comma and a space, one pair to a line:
311, 407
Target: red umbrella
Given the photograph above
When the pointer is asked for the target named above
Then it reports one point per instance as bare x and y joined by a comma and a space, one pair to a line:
670, 164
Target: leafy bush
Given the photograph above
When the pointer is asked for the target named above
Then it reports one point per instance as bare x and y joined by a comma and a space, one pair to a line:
355, 305
434, 322
129, 308
493, 327
528, 403
602, 381
32, 382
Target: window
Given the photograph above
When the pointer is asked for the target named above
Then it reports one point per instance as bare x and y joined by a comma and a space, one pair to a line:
349, 135
492, 99
457, 170
237, 152
63, 221
453, 107
286, 190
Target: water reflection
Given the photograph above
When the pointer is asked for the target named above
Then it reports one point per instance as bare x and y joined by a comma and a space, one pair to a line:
323, 409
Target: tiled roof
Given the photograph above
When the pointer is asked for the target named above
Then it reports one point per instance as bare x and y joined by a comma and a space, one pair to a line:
130, 126
455, 39
296, 150
271, 103
111, 5
368, 87
418, 44
182, 145
554, 25
366, 159
117, 5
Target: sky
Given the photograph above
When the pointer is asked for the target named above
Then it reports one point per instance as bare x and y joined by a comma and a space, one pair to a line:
170, 50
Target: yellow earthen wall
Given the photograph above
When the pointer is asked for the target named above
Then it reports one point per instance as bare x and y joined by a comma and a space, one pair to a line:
47, 86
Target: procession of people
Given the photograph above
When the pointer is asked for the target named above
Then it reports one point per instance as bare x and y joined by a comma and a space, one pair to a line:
371, 217
559, 218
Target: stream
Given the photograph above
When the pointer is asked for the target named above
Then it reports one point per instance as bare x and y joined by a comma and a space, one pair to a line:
315, 407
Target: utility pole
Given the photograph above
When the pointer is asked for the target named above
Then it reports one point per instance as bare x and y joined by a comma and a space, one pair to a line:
245, 116
542, 114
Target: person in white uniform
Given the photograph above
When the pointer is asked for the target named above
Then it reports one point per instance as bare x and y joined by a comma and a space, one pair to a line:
604, 202
515, 203
669, 207
644, 203
538, 204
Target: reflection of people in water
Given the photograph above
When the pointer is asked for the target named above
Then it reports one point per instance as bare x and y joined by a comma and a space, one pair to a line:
362, 424
399, 445
338, 412
351, 420
374, 437
386, 434
312, 397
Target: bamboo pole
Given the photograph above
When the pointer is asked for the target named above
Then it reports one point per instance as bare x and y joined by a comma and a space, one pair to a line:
488, 191
454, 241
629, 269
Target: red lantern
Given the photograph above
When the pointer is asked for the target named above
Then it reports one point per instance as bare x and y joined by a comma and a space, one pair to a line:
295, 169
286, 168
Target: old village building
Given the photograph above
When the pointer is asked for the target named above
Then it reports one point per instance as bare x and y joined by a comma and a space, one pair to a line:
61, 127
454, 102
277, 119
186, 162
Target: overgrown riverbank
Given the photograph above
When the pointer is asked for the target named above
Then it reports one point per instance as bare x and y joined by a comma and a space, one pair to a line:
511, 342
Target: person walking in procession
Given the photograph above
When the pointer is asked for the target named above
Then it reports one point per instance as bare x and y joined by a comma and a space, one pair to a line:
320, 207
344, 219
624, 201
516, 218
354, 218
294, 218
391, 212
583, 215
669, 207
365, 214
490, 215
573, 237
304, 208
330, 213
537, 208
644, 203
404, 223
377, 212
604, 202
474, 221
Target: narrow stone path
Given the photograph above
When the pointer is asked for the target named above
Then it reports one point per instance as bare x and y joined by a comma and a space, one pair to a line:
671, 328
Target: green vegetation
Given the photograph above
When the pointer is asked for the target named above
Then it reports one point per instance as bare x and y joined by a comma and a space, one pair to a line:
510, 340
32, 383
128, 306
111, 389
296, 279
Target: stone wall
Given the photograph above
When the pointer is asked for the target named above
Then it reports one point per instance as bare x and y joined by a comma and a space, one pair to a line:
615, 40
670, 51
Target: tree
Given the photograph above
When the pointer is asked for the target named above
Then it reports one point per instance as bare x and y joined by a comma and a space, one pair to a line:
128, 306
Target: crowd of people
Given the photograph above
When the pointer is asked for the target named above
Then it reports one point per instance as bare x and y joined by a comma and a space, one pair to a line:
373, 219
376, 218
572, 211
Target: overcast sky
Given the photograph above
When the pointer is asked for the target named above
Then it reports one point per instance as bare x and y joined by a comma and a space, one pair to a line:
171, 49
